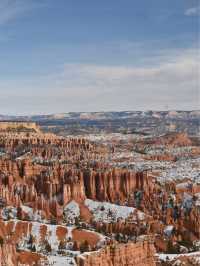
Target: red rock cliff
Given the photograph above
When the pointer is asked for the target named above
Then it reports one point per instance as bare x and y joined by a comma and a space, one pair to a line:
140, 254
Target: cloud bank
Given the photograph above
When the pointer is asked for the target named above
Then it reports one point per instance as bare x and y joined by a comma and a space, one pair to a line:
173, 82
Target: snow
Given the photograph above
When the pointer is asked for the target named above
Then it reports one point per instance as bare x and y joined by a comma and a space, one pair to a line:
168, 171
168, 230
89, 253
71, 211
197, 203
196, 243
108, 212
33, 216
187, 201
69, 231
182, 169
26, 209
52, 237
140, 164
61, 261
9, 213
35, 230
183, 185
170, 257
162, 149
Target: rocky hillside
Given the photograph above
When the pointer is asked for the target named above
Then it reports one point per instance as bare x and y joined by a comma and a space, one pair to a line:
109, 200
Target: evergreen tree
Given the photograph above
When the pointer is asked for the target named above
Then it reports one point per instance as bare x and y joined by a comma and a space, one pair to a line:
62, 245
48, 247
19, 213
1, 241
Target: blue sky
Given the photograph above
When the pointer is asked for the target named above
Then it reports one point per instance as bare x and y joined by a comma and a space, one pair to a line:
74, 55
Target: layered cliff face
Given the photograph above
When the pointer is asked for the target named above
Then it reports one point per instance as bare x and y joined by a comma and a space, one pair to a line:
139, 254
19, 126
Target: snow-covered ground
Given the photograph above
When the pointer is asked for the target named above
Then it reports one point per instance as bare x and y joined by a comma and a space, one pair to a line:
102, 211
168, 230
58, 260
170, 257
169, 171
182, 169
140, 164
35, 231
33, 216
108, 137
10, 212
158, 150
107, 212
61, 261
197, 195
71, 212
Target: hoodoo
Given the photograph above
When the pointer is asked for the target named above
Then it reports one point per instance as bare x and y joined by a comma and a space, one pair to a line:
73, 201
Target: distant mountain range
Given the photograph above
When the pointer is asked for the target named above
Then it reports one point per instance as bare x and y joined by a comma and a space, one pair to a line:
148, 122
105, 115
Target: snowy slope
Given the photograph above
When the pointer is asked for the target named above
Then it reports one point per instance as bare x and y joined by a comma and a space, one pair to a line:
108, 212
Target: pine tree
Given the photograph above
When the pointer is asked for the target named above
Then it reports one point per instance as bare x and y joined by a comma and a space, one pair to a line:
48, 247
1, 241
33, 249
62, 245
30, 241
19, 213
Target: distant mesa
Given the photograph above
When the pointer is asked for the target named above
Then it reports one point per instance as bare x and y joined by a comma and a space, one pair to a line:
19, 126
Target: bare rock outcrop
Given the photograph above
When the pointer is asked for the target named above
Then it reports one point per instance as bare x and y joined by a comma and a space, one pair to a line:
138, 254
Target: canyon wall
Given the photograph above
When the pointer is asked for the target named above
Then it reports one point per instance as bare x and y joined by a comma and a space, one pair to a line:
138, 254
18, 125
116, 184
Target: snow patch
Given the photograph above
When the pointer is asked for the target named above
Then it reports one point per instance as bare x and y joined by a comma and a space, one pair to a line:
71, 212
61, 261
107, 212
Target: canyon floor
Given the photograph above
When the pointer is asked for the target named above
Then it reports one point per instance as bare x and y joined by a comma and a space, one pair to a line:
104, 199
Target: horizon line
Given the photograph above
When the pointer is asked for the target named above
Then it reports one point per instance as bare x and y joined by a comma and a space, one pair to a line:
93, 112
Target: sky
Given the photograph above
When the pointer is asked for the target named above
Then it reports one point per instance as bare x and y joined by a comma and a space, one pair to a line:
109, 55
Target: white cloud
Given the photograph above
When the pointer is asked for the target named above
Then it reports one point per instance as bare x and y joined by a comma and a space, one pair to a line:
193, 11
172, 71
90, 87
